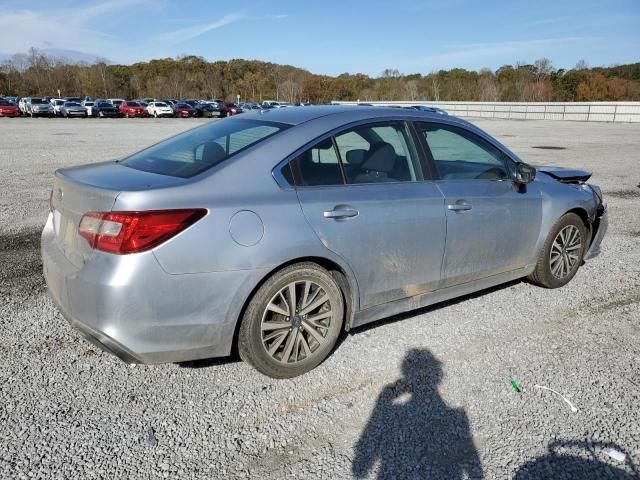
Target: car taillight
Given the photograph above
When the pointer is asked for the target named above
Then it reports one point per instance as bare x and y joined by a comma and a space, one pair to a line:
133, 232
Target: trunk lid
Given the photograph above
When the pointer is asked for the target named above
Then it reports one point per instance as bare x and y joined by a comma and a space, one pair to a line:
92, 188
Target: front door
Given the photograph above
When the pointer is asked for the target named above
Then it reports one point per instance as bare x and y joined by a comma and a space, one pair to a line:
492, 224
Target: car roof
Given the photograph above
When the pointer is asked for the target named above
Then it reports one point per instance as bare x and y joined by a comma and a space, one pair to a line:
299, 115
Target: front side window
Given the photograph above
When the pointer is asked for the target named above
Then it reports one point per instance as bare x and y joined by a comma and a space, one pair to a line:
379, 153
462, 155
197, 150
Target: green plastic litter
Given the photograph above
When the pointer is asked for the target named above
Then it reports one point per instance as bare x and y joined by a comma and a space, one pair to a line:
515, 386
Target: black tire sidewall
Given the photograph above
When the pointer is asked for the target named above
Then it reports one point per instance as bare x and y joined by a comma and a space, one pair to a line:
250, 336
546, 277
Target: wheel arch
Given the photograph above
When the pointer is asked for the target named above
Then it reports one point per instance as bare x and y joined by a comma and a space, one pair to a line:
584, 216
342, 275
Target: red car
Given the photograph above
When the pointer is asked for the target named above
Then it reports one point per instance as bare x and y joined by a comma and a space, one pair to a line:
132, 109
228, 109
184, 110
8, 109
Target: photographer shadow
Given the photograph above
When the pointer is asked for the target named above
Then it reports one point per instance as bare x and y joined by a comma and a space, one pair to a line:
413, 433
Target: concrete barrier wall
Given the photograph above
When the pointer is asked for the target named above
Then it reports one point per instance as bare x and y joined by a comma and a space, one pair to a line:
575, 111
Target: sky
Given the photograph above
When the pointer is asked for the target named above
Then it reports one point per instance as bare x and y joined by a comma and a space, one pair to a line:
331, 36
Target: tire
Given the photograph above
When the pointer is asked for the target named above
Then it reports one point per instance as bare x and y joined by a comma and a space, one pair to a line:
294, 351
569, 257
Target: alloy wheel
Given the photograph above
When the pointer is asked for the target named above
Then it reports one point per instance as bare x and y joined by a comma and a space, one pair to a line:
565, 251
296, 322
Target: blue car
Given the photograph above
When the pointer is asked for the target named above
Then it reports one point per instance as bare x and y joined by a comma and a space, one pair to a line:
273, 232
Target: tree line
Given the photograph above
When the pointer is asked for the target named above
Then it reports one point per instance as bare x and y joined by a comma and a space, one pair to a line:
35, 73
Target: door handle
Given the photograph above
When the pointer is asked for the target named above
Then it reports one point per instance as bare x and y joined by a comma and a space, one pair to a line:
459, 207
341, 211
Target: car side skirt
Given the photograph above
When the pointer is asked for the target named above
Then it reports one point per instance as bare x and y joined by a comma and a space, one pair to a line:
389, 309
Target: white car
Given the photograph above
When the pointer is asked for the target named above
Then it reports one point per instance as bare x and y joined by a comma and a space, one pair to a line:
22, 105
159, 109
56, 103
88, 104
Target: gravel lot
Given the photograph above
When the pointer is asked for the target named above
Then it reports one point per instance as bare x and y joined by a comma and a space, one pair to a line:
425, 395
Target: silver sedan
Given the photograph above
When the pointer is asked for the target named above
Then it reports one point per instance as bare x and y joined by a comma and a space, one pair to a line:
273, 232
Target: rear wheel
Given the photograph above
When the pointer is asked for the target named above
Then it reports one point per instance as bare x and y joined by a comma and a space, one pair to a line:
562, 253
292, 322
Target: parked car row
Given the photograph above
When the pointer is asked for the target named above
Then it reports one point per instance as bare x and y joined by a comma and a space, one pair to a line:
147, 107
115, 107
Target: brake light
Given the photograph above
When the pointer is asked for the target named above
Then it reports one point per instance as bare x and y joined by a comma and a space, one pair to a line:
133, 232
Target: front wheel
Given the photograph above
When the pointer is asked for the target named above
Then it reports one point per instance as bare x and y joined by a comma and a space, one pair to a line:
562, 253
292, 322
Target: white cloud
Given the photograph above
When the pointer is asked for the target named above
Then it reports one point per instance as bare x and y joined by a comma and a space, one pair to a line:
465, 53
60, 28
184, 34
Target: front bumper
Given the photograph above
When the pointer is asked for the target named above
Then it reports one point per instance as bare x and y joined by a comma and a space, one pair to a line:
599, 227
129, 306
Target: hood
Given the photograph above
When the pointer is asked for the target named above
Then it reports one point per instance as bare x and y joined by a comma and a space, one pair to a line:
566, 175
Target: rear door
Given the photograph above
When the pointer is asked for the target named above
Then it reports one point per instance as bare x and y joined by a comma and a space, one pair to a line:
364, 193
492, 224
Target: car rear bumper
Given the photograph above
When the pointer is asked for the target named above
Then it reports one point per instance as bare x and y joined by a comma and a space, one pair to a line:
129, 306
600, 226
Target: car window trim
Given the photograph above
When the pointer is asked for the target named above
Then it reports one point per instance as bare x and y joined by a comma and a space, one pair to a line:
424, 153
467, 131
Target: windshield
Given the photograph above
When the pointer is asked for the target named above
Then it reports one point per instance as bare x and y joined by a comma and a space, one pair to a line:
37, 101
197, 150
133, 104
72, 104
161, 104
103, 104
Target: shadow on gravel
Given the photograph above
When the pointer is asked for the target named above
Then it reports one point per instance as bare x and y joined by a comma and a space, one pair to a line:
210, 362
626, 194
574, 459
20, 256
432, 308
413, 433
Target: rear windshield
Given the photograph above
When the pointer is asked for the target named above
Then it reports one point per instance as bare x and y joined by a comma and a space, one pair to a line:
133, 104
197, 150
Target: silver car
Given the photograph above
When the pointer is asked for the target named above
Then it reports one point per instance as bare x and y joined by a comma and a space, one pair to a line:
73, 109
273, 232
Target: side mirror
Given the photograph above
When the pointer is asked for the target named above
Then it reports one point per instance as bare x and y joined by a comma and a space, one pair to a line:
524, 173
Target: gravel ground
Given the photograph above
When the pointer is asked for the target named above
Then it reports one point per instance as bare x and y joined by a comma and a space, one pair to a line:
424, 395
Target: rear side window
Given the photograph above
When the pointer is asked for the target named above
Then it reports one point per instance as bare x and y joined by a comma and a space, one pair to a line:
197, 150
377, 154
